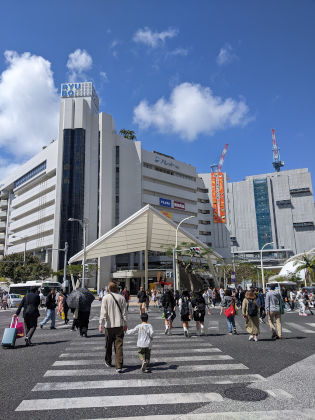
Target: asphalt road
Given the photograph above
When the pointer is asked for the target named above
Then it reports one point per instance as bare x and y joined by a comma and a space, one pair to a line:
217, 376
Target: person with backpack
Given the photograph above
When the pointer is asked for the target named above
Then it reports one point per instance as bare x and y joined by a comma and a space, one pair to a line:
274, 307
185, 310
261, 304
229, 305
198, 304
169, 306
250, 310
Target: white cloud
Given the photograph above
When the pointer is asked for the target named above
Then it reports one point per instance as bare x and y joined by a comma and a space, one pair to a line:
153, 39
225, 55
179, 51
29, 106
104, 76
191, 110
78, 63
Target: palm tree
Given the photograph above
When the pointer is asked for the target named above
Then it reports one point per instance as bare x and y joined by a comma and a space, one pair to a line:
307, 263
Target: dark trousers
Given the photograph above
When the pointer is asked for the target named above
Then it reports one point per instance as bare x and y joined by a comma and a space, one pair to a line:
30, 327
144, 354
83, 318
114, 336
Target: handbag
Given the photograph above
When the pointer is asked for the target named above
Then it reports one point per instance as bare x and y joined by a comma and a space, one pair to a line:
19, 326
63, 315
230, 311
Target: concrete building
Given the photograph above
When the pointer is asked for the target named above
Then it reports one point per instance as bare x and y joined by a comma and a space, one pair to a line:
276, 207
91, 173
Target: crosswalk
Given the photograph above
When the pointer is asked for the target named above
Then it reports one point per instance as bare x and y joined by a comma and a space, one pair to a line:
186, 374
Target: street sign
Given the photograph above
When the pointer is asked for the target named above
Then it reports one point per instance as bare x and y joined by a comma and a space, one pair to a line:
169, 274
233, 276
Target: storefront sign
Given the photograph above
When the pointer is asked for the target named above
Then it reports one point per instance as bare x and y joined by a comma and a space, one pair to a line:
165, 202
218, 202
165, 162
179, 205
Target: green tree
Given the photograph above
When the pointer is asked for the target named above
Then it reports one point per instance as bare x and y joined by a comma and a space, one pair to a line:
128, 134
12, 266
74, 271
305, 262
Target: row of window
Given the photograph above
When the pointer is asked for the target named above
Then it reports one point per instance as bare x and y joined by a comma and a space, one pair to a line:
204, 232
169, 172
203, 190
204, 222
201, 200
30, 174
203, 211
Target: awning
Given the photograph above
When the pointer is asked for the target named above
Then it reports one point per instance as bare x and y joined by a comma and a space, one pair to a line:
147, 230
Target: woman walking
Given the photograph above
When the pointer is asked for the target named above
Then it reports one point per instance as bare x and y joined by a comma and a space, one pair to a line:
250, 312
169, 306
30, 303
185, 310
198, 304
229, 302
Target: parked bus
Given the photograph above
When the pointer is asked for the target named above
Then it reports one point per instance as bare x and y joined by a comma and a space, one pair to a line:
43, 286
289, 285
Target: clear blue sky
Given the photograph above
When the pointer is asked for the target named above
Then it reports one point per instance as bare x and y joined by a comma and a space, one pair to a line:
186, 76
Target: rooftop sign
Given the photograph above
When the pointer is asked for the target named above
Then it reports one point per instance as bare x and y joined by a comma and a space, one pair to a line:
77, 90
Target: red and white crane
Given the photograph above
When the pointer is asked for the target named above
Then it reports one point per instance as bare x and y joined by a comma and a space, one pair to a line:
218, 167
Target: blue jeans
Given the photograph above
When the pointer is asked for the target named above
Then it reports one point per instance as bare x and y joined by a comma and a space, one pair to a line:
50, 314
231, 323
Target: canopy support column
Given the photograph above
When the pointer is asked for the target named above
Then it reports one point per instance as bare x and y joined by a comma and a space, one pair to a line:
146, 270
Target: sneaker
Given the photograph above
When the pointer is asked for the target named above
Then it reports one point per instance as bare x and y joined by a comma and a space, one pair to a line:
256, 339
186, 333
108, 364
147, 371
144, 366
166, 330
119, 370
169, 332
41, 325
53, 328
230, 333
251, 338
235, 332
202, 331
27, 341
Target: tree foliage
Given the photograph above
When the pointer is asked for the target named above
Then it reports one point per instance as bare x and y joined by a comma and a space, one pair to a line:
305, 262
127, 134
12, 266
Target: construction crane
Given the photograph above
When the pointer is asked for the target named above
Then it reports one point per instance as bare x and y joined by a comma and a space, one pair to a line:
218, 167
277, 162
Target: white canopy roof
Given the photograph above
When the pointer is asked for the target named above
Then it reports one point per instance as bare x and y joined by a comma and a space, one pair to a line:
147, 229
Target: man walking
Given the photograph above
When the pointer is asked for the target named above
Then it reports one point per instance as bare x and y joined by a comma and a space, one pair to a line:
273, 311
30, 303
142, 298
50, 314
114, 315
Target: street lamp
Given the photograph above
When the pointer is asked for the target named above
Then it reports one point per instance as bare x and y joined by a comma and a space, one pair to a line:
65, 249
262, 266
84, 222
175, 262
25, 242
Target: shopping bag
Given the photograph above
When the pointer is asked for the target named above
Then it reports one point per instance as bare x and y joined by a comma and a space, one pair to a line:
19, 326
63, 315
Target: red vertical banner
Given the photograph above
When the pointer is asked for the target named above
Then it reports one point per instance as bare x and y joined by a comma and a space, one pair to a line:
218, 202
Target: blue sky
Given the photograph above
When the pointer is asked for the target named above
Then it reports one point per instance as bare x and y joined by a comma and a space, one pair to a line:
186, 76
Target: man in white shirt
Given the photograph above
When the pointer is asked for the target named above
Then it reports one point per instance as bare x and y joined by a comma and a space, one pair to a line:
114, 316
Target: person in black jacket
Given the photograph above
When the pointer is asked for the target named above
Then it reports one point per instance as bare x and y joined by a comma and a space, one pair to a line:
142, 298
50, 314
199, 310
30, 303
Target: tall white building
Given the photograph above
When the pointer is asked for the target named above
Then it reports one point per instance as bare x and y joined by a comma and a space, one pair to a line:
93, 173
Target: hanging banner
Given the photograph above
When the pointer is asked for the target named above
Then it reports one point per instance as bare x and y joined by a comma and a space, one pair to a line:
218, 203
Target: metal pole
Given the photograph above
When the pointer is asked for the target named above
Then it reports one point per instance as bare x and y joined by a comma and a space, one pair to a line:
84, 252
174, 269
25, 252
65, 266
176, 259
262, 266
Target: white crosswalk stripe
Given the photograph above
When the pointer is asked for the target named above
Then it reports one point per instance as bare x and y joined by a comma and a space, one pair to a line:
300, 328
197, 364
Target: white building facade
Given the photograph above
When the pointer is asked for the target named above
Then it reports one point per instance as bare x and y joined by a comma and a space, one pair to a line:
91, 173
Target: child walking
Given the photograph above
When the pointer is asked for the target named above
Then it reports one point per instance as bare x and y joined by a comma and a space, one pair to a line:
145, 337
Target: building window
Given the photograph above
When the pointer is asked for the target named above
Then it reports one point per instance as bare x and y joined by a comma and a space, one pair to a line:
204, 222
203, 190
30, 174
300, 190
203, 211
204, 232
168, 172
201, 200
209, 244
262, 212
303, 224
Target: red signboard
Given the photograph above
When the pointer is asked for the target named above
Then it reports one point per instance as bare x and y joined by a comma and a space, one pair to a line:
179, 205
218, 202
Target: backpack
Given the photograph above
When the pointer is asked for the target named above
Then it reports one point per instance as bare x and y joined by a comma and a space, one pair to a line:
252, 308
185, 308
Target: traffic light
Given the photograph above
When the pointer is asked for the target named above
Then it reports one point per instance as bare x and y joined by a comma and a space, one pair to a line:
195, 250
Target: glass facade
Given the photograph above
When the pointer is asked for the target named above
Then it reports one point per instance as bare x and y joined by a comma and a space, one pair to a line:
262, 212
30, 174
72, 191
